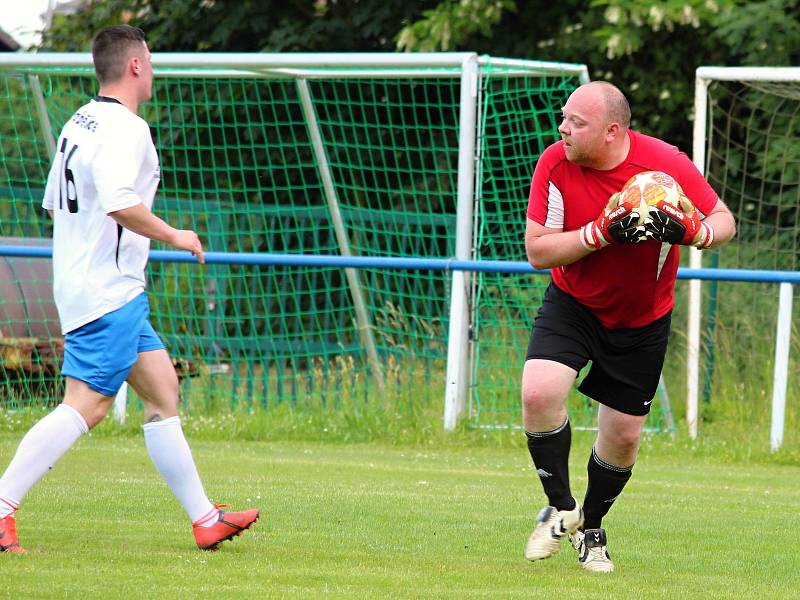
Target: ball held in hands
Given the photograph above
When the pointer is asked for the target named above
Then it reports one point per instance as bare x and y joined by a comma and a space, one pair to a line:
651, 205
666, 213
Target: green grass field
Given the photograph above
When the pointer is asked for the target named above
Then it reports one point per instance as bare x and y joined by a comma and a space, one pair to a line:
379, 521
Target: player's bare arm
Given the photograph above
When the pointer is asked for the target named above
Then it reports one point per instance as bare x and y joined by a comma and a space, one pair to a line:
547, 247
721, 220
618, 222
140, 220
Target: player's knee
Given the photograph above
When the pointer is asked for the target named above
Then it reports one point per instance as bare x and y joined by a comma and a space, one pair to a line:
165, 403
626, 442
171, 391
536, 400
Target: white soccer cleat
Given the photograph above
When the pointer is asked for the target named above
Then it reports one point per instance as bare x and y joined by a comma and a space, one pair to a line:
551, 527
592, 550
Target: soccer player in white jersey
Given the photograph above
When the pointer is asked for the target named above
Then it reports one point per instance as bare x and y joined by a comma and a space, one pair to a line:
99, 193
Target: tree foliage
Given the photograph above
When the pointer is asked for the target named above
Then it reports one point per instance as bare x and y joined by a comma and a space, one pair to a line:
451, 24
761, 33
650, 50
244, 25
633, 43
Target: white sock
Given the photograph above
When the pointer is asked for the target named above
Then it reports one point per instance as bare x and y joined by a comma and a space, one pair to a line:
39, 450
171, 455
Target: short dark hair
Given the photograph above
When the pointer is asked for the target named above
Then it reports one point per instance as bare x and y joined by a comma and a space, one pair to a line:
111, 48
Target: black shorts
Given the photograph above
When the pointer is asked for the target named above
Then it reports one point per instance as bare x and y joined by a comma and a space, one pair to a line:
626, 362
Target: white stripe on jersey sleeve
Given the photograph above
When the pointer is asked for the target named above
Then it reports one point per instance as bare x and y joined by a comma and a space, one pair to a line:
555, 208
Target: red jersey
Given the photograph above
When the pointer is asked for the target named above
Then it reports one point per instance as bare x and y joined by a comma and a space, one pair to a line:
624, 285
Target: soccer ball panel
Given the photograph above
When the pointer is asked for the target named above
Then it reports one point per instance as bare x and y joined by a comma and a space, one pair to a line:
648, 189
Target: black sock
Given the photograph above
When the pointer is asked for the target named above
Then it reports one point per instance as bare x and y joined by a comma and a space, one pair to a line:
550, 453
605, 484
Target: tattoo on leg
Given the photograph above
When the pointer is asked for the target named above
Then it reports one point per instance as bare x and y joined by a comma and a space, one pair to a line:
154, 418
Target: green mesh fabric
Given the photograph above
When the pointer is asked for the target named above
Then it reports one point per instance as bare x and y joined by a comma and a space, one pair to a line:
239, 166
30, 338
753, 162
519, 120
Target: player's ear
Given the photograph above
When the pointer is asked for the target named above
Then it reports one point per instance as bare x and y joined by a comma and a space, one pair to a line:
135, 65
612, 131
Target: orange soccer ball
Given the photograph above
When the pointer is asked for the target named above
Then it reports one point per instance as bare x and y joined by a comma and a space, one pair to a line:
647, 189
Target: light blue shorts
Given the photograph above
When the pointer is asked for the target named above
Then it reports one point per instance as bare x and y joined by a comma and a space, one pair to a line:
103, 352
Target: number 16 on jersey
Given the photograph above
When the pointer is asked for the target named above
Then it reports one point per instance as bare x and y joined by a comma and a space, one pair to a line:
69, 179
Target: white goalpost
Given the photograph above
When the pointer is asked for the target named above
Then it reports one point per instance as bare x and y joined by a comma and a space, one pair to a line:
745, 129
345, 154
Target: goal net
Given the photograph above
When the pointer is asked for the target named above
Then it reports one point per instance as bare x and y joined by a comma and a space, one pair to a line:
747, 133
426, 155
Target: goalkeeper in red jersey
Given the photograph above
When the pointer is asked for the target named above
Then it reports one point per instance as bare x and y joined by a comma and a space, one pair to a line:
609, 302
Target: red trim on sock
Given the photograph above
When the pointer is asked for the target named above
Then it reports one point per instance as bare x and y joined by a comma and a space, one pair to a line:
206, 517
11, 504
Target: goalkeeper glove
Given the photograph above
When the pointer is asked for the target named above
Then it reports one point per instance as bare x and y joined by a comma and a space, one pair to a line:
678, 225
617, 223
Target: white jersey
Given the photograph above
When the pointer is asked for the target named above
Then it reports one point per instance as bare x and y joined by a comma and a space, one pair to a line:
105, 161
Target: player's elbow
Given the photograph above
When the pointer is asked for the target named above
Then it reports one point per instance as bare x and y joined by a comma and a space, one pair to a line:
543, 247
535, 259
534, 254
540, 256
538, 262
732, 226
725, 229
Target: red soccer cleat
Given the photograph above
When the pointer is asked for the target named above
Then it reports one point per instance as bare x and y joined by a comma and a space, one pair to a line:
227, 527
8, 535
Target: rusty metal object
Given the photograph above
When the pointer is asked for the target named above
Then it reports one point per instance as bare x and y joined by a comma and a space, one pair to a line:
32, 355
31, 344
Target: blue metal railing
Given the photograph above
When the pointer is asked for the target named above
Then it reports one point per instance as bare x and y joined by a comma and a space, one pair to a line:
406, 263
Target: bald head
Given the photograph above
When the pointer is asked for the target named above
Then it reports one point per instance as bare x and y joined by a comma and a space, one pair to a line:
613, 101
595, 125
